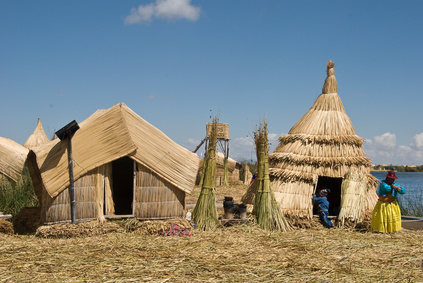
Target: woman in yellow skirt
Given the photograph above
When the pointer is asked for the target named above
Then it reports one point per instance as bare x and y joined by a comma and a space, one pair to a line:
386, 216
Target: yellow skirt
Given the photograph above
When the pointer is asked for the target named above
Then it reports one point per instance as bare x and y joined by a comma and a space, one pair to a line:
386, 217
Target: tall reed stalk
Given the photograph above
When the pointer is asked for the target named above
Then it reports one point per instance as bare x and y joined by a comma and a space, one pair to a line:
15, 196
411, 206
205, 212
266, 209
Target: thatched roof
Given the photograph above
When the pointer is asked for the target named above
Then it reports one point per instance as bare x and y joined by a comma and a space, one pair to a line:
108, 135
12, 158
323, 142
38, 137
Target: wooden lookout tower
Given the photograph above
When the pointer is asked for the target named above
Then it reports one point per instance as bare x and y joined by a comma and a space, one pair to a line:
222, 144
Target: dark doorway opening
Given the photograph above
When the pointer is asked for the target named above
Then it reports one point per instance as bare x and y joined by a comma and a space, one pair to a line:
334, 197
123, 185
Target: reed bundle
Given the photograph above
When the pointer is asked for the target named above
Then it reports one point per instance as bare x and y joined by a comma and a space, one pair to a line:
266, 209
353, 198
225, 172
205, 212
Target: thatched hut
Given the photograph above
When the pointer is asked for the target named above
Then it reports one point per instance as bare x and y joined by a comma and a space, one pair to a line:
38, 137
322, 150
233, 168
12, 159
123, 167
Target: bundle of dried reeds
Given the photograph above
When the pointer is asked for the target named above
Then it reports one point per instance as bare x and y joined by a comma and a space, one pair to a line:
225, 172
205, 212
266, 209
353, 198
6, 227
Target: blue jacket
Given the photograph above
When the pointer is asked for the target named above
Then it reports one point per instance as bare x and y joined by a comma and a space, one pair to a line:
384, 188
322, 203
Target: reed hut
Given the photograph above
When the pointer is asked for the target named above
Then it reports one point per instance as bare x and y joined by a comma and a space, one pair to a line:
232, 170
38, 137
322, 150
123, 167
12, 160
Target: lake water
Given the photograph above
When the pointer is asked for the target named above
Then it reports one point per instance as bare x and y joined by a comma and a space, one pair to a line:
411, 181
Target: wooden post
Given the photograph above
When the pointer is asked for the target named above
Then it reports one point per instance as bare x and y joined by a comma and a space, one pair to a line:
71, 180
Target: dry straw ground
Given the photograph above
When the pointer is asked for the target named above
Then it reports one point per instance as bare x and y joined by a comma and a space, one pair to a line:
130, 251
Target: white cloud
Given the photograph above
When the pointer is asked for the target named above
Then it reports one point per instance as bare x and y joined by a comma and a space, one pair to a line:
241, 149
386, 140
164, 9
383, 150
418, 141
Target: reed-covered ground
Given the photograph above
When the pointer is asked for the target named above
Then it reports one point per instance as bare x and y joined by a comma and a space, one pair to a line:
124, 251
232, 254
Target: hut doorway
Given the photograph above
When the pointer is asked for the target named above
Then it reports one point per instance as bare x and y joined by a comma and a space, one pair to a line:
334, 198
123, 185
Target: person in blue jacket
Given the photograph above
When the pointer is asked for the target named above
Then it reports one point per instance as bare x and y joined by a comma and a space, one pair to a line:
386, 217
322, 204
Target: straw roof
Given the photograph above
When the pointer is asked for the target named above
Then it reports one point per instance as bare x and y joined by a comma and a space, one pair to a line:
323, 142
12, 158
38, 137
108, 135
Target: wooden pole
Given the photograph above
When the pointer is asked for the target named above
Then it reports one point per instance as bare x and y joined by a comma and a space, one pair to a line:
72, 187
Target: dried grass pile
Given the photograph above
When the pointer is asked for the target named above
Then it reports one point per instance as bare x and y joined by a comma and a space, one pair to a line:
6, 227
68, 230
240, 253
153, 227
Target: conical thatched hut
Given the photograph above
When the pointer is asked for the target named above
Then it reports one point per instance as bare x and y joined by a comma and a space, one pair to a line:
123, 167
38, 137
322, 150
12, 159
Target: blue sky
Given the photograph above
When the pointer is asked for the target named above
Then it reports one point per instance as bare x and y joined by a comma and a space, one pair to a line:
178, 62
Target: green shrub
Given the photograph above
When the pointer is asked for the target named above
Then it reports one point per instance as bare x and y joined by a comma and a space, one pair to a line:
15, 196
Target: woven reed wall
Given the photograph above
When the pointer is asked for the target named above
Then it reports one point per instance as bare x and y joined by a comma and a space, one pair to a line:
295, 198
156, 198
58, 209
